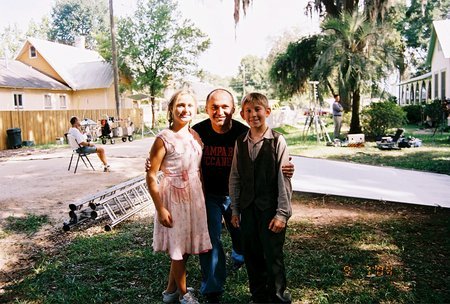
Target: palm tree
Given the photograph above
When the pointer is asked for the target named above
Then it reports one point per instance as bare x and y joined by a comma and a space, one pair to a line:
359, 53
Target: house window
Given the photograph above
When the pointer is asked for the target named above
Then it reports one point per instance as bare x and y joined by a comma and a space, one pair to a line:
436, 86
33, 53
18, 101
443, 86
62, 102
47, 101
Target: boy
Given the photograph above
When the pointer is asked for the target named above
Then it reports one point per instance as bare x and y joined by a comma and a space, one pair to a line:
261, 201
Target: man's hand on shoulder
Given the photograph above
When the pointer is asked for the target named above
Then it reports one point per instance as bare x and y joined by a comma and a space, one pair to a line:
288, 169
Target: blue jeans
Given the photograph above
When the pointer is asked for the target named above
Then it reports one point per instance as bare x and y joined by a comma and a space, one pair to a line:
87, 150
213, 263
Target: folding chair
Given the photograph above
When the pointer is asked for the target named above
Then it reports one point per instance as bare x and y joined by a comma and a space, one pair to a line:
77, 150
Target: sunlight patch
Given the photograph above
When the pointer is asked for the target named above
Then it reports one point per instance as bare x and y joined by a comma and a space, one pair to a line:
378, 247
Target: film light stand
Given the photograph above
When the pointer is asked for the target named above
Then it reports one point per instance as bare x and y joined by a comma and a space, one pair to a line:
313, 118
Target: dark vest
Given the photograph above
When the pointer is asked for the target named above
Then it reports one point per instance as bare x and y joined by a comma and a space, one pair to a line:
258, 178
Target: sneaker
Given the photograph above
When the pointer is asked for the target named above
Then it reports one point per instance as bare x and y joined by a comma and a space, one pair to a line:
106, 168
174, 296
188, 298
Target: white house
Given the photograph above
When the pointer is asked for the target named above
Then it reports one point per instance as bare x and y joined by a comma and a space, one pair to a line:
436, 83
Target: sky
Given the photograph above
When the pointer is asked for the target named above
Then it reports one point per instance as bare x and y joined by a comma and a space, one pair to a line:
254, 35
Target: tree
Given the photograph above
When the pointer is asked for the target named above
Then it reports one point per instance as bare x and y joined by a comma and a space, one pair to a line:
253, 75
415, 25
72, 18
373, 9
104, 47
291, 70
360, 52
157, 45
11, 39
215, 80
39, 29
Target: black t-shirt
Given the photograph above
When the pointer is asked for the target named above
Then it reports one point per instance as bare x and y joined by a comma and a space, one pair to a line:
217, 155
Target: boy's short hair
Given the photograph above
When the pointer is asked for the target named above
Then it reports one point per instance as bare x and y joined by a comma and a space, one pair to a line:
335, 95
73, 120
255, 98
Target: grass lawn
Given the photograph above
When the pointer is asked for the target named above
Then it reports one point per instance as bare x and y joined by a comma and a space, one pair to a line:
433, 156
29, 224
338, 250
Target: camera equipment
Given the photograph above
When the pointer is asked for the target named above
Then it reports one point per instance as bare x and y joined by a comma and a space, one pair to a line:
313, 121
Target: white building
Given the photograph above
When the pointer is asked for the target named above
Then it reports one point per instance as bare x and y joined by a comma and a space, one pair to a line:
436, 83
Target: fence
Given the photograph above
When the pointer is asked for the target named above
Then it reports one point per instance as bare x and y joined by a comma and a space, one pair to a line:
43, 127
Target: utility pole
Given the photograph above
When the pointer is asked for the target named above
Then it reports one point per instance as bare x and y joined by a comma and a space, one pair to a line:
114, 58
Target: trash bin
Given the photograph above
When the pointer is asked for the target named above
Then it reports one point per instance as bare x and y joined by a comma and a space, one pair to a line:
14, 138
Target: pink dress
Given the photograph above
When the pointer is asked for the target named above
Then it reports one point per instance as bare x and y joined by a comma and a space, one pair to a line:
181, 192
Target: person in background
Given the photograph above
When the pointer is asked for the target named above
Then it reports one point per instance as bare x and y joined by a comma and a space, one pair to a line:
338, 110
87, 147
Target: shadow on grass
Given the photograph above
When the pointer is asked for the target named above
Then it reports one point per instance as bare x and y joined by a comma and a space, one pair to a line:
329, 263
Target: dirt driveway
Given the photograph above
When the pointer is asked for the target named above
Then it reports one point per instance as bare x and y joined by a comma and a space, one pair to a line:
38, 182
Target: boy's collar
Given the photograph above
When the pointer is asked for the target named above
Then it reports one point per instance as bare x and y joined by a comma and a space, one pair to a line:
267, 134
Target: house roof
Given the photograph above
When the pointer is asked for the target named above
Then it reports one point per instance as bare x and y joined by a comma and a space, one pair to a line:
441, 31
15, 74
418, 78
80, 68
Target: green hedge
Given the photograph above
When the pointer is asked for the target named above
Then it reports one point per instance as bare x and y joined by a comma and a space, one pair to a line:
413, 113
379, 117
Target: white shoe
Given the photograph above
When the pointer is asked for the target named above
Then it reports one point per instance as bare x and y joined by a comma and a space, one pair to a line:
174, 296
106, 168
188, 298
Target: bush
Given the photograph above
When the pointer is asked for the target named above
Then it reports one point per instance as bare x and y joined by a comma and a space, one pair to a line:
413, 113
436, 112
379, 117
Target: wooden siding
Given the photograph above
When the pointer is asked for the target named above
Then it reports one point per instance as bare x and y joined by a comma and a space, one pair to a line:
43, 127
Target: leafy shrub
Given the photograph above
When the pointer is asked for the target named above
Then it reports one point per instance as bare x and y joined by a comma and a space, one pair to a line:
413, 113
436, 112
379, 117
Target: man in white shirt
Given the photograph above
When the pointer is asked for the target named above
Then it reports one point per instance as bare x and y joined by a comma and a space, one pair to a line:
86, 147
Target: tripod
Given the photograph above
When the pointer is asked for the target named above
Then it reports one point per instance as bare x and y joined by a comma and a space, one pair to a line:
313, 118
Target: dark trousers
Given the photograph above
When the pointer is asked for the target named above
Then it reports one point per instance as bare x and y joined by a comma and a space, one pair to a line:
263, 254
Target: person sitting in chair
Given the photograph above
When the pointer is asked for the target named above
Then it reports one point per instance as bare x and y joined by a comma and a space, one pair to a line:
86, 147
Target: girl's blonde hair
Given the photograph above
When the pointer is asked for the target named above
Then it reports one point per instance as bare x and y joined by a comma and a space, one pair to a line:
175, 97
255, 98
